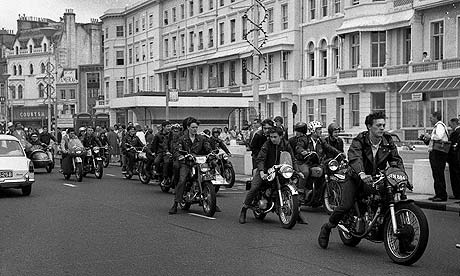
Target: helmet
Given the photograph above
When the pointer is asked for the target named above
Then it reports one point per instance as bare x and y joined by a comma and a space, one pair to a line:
314, 125
215, 130
332, 127
278, 119
10, 124
301, 127
82, 129
176, 126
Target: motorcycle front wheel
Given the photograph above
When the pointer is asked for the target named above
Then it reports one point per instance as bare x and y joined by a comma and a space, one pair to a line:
99, 170
106, 161
229, 175
208, 198
79, 171
49, 168
143, 177
332, 195
409, 244
289, 208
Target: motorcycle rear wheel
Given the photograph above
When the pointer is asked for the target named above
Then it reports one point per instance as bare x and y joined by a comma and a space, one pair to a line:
289, 209
49, 168
208, 199
99, 170
332, 196
412, 221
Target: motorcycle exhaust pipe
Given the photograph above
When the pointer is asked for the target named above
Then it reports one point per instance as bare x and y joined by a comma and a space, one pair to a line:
343, 228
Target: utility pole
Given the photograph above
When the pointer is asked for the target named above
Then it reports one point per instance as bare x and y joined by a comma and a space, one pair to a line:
255, 60
49, 80
167, 103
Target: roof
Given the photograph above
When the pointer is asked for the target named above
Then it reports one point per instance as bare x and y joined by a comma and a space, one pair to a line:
431, 85
8, 137
37, 35
378, 22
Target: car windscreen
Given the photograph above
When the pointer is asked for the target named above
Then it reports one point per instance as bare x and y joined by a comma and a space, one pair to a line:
10, 148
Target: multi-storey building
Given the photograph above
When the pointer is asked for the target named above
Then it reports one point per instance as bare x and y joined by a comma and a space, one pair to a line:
6, 41
44, 61
200, 49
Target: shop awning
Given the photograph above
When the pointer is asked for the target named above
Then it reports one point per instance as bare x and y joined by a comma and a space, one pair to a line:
431, 85
378, 22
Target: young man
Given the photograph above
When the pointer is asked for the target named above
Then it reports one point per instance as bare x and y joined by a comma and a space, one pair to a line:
370, 151
279, 123
130, 139
159, 147
333, 139
454, 157
268, 156
260, 137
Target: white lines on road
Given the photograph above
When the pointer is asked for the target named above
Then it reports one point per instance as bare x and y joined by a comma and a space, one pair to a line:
201, 216
231, 192
70, 185
109, 174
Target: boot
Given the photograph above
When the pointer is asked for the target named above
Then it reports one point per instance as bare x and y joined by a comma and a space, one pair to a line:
243, 215
323, 238
173, 209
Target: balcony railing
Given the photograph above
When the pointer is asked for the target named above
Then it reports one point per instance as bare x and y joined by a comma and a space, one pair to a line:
398, 70
345, 74
372, 72
399, 3
425, 67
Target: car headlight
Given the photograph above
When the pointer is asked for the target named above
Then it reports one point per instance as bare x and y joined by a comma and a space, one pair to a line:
204, 167
333, 165
286, 171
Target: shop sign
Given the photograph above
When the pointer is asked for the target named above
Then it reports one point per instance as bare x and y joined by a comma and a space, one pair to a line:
68, 76
29, 113
417, 97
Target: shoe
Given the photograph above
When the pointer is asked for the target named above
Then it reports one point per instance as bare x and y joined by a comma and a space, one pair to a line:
218, 209
301, 220
438, 199
243, 215
431, 198
173, 209
323, 238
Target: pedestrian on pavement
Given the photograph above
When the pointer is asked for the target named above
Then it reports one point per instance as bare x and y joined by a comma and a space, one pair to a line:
453, 157
114, 143
437, 142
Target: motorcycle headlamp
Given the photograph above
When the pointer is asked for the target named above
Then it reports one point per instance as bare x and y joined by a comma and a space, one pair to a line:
333, 165
142, 155
96, 149
88, 153
204, 167
286, 171
225, 156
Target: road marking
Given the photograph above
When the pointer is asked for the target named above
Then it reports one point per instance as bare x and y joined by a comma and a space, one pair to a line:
201, 216
229, 192
70, 185
109, 174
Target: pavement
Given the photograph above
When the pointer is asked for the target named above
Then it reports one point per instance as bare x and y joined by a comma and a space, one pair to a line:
451, 205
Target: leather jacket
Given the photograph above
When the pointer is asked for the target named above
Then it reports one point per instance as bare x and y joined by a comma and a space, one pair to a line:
160, 143
269, 154
131, 140
90, 141
198, 147
217, 143
305, 144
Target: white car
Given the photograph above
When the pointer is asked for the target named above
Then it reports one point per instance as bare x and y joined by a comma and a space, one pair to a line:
16, 170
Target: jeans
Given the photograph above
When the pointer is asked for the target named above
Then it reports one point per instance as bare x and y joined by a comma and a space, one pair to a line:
184, 171
130, 160
162, 164
350, 189
305, 170
255, 186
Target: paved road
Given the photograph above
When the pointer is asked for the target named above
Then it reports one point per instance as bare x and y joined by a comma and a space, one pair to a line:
121, 227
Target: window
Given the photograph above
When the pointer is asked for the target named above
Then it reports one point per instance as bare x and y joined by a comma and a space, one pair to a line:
311, 60
13, 92
143, 23
151, 49
174, 15
191, 47
182, 11
137, 53
355, 2
62, 94
120, 31
337, 6
407, 45
269, 67
20, 93
72, 109
221, 3
138, 84
354, 107
270, 20
221, 33
41, 90
354, 50
15, 71
285, 112
211, 4
191, 8
378, 102
130, 55
130, 86
200, 40
106, 58
191, 79
31, 49
270, 110
166, 47
244, 23
335, 55
244, 72
144, 52
143, 83
20, 70
45, 47
378, 41
210, 38
221, 75
72, 94
200, 6
130, 28
120, 58
151, 20
323, 58
152, 83
324, 8
285, 65
232, 73
412, 114
232, 30
182, 43
165, 18
136, 25
42, 68
437, 40
106, 32
284, 16
200, 78
322, 111
310, 110
174, 46
173, 80
31, 69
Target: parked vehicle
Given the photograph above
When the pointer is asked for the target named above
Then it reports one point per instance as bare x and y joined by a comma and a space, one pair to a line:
199, 189
225, 176
385, 215
93, 162
278, 194
42, 157
16, 170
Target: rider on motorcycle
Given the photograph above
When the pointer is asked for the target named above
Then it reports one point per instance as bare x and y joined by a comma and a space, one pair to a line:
35, 141
305, 145
81, 133
216, 142
90, 140
370, 151
159, 146
268, 156
258, 140
333, 139
130, 139
174, 136
46, 137
193, 143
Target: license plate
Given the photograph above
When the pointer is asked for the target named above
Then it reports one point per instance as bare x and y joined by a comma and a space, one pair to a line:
6, 174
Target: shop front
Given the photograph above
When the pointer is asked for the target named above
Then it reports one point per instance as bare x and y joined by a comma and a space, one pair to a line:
33, 117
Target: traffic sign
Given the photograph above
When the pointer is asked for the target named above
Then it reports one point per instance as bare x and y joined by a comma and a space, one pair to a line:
173, 96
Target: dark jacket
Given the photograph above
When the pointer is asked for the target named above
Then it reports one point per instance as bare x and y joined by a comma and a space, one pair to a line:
455, 145
336, 143
90, 141
103, 139
323, 149
293, 142
198, 147
257, 142
46, 138
160, 143
217, 143
131, 140
361, 159
269, 154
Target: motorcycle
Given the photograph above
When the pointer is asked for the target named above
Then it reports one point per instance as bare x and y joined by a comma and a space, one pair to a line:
384, 214
105, 154
167, 182
76, 153
223, 166
42, 157
141, 168
198, 187
278, 194
93, 162
326, 180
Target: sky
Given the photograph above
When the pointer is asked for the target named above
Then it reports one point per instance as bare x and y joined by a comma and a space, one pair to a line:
53, 9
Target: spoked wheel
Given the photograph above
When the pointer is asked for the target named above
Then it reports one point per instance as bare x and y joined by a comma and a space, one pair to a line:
143, 177
49, 168
79, 171
165, 185
289, 209
99, 170
229, 175
409, 244
106, 161
208, 199
332, 196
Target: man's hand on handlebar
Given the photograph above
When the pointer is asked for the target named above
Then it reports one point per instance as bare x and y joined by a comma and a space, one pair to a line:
366, 178
263, 175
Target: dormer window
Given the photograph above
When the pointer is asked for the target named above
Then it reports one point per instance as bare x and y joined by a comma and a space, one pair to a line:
17, 50
30, 49
45, 47
31, 68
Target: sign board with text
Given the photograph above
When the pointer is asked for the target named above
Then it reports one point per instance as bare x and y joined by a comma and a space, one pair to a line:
173, 96
417, 97
68, 76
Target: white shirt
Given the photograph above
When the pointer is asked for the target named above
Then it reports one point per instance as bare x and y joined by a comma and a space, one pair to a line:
141, 136
439, 133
